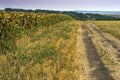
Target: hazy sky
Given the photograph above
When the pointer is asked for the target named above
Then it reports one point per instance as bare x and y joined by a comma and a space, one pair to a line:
111, 5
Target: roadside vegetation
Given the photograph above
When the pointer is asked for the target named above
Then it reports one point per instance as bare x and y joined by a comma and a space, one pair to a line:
14, 25
38, 47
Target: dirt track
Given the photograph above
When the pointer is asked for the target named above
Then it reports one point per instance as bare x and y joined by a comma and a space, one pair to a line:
100, 54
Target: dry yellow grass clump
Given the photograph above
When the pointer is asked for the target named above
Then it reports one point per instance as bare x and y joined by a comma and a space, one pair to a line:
48, 54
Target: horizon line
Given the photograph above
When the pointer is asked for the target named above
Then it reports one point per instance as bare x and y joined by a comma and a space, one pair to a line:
61, 10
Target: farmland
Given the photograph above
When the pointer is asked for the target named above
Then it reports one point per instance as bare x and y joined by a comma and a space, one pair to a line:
46, 46
46, 51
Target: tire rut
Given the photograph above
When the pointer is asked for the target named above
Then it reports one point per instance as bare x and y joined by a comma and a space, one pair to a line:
98, 70
84, 65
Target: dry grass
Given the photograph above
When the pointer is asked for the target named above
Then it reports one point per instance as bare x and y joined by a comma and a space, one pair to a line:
49, 54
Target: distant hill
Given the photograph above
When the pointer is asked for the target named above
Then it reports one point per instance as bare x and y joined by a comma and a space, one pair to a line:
99, 12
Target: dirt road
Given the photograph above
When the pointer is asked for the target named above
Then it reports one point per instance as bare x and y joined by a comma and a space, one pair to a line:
100, 54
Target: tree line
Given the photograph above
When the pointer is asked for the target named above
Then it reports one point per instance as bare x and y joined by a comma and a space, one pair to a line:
76, 15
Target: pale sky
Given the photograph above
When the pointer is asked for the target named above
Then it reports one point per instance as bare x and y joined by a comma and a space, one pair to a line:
96, 5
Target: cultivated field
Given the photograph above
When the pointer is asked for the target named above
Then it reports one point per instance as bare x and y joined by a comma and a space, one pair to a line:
56, 47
